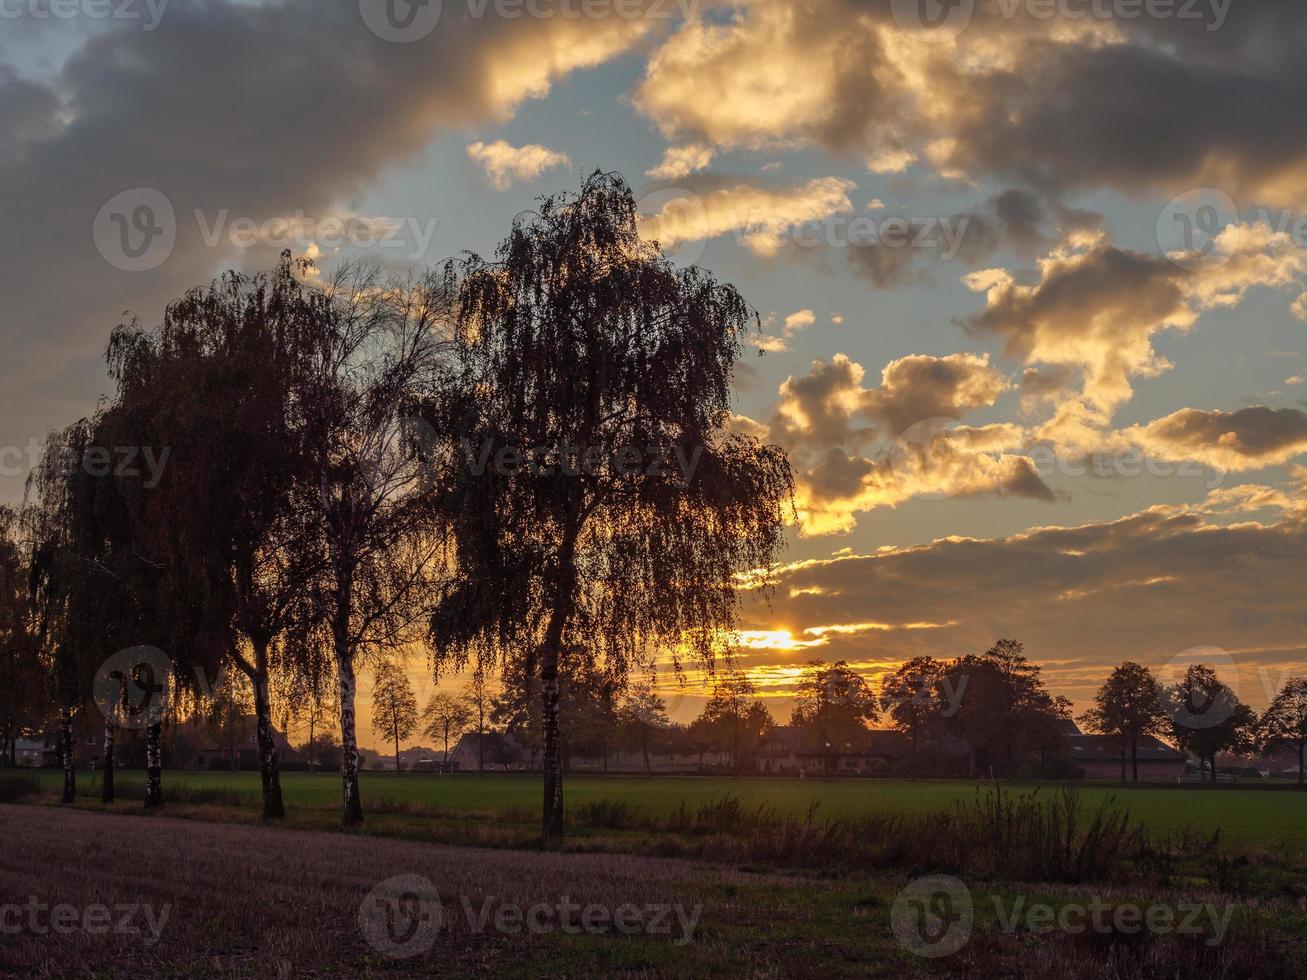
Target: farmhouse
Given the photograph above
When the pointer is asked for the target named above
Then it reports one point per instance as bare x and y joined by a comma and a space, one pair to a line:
789, 749
239, 749
1103, 756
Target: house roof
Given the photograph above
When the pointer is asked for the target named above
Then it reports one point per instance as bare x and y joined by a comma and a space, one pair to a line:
784, 740
1109, 748
244, 736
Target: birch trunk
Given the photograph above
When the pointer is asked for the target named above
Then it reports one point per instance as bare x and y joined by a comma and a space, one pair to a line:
352, 812
269, 769
66, 751
106, 781
153, 762
552, 820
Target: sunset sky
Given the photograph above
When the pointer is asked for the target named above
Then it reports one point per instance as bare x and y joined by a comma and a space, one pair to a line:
1034, 289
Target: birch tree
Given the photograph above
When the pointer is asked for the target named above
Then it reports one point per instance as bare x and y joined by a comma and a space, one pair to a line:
375, 353
602, 510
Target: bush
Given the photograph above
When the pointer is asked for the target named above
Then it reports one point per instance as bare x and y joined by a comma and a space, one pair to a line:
16, 786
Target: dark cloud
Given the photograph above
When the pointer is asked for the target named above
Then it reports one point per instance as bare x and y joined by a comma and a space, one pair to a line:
1145, 587
250, 110
1250, 438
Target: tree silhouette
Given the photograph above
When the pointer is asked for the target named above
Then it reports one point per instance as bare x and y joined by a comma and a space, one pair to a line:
1285, 720
732, 720
912, 698
1207, 717
836, 704
1129, 706
445, 715
229, 356
601, 509
394, 706
374, 349
24, 684
641, 717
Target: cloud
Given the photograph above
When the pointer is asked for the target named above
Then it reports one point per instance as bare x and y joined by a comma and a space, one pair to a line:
1096, 307
781, 341
1016, 220
1083, 598
858, 448
311, 108
1051, 102
505, 164
758, 216
1249, 439
681, 161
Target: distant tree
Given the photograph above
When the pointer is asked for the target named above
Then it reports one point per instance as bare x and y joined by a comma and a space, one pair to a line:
578, 349
1207, 717
446, 715
1003, 707
322, 750
732, 720
834, 703
499, 750
912, 699
479, 694
24, 680
223, 711
1285, 721
642, 716
311, 703
1129, 706
394, 706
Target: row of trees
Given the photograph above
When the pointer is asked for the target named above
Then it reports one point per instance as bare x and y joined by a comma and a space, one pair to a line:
994, 704
1201, 715
322, 506
603, 720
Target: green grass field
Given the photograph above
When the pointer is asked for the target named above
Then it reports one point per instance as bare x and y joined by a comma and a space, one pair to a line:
1267, 818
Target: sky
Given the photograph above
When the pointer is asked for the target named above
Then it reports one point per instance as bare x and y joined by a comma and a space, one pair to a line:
1032, 276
